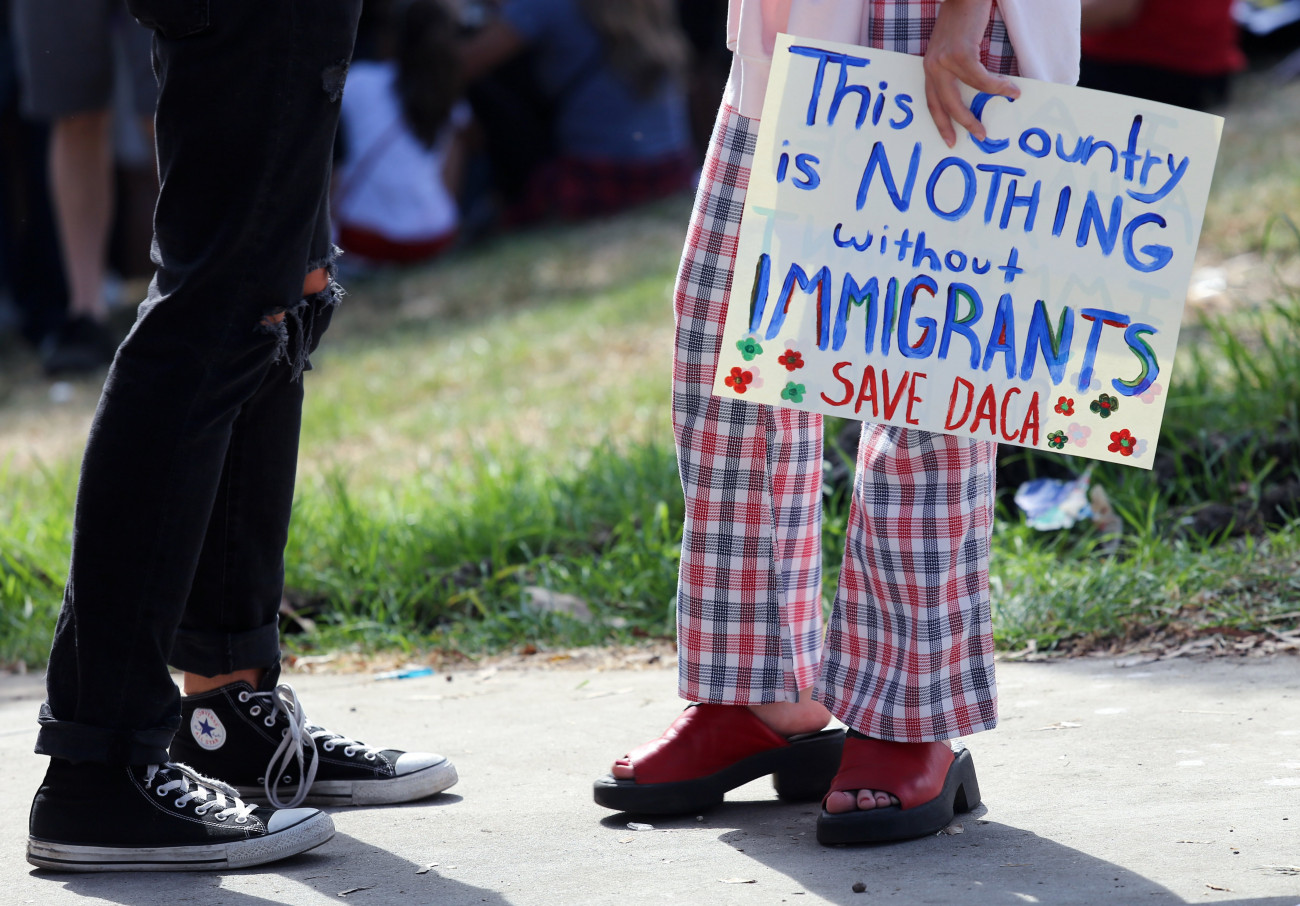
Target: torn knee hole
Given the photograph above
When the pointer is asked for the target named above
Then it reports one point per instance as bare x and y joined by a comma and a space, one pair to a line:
316, 281
272, 319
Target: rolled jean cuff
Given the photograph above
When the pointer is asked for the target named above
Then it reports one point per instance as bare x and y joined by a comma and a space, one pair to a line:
82, 742
215, 653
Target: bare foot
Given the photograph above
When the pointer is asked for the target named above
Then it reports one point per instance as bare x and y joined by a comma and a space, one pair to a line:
842, 801
784, 718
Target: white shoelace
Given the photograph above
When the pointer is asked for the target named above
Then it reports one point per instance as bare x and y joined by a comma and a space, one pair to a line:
296, 740
192, 786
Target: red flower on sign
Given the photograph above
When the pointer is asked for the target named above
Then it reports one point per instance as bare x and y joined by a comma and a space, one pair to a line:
1122, 442
739, 379
791, 360
1065, 406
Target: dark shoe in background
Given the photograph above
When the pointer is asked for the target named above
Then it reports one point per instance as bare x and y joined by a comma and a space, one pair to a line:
80, 346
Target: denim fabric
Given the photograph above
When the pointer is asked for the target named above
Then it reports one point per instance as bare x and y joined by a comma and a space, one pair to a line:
184, 502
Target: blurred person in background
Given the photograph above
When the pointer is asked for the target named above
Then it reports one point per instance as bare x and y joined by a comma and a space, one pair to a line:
32, 288
616, 131
705, 25
401, 137
1180, 52
66, 61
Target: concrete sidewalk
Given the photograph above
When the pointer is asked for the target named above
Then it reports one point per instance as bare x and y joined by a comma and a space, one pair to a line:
1174, 782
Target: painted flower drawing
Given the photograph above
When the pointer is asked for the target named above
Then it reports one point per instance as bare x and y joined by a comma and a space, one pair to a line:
1078, 434
791, 360
739, 379
1104, 405
1065, 406
1122, 442
793, 392
749, 348
1056, 440
1151, 393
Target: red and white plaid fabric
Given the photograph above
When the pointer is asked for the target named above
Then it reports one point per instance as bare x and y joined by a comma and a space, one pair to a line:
749, 590
909, 653
904, 26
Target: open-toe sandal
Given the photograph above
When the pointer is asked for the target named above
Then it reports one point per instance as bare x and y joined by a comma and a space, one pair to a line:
931, 782
712, 749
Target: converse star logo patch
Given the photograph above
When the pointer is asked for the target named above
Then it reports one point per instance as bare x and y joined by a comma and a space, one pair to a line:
207, 729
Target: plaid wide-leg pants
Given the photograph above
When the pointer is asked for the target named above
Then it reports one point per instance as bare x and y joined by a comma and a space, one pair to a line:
908, 655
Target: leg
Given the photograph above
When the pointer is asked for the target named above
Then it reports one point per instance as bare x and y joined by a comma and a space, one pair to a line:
749, 588
197, 354
67, 63
81, 184
748, 603
277, 406
235, 710
241, 218
909, 652
34, 270
194, 683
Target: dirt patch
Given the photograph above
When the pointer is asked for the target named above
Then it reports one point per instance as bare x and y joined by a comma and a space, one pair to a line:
657, 654
661, 654
1168, 644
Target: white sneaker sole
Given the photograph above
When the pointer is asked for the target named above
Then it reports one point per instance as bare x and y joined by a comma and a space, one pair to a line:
290, 841
385, 791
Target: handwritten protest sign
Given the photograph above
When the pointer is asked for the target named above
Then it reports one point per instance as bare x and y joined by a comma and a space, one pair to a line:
1026, 289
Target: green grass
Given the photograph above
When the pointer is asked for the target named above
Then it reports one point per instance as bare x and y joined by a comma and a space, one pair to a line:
448, 562
453, 466
35, 525
443, 558
1075, 595
494, 429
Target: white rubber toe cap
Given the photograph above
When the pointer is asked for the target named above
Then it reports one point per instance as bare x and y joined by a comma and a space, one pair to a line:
285, 818
410, 762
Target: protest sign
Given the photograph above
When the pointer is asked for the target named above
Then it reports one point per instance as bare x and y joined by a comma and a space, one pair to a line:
1026, 289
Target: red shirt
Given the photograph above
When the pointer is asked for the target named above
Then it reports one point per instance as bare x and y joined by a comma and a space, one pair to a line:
1198, 37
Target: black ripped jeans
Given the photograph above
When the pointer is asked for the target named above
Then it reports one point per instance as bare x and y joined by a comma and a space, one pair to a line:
187, 482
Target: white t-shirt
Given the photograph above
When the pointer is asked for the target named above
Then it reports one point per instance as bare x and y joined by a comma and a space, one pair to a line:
1044, 33
389, 182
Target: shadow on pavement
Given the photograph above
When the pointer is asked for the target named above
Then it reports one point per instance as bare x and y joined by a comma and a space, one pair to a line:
988, 863
340, 868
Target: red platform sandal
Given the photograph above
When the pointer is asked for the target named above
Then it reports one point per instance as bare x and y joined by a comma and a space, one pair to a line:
931, 782
712, 749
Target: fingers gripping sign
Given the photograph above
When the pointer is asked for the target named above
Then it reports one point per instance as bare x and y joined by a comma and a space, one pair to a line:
953, 58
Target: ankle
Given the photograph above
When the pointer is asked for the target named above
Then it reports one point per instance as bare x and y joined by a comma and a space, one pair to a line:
804, 715
196, 684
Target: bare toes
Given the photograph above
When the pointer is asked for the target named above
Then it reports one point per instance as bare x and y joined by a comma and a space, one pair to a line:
622, 770
840, 801
869, 799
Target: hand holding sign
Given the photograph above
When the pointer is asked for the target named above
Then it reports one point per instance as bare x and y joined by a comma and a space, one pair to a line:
953, 59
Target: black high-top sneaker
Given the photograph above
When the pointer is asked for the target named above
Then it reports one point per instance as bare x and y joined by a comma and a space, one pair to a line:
262, 743
160, 817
